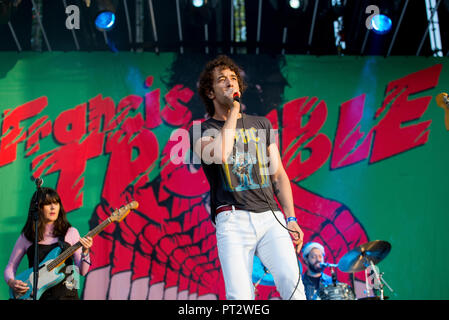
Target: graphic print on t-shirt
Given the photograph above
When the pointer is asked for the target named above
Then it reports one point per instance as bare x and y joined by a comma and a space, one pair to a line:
249, 157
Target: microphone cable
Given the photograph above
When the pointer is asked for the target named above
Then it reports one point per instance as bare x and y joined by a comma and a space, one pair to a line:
237, 98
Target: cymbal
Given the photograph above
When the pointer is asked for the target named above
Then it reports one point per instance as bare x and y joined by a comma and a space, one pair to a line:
358, 259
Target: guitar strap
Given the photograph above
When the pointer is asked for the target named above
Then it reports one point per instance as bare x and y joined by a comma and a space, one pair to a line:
61, 243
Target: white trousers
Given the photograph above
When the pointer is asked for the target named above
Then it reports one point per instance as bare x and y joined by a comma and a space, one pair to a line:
240, 235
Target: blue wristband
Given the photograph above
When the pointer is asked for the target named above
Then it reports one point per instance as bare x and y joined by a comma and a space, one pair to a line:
290, 219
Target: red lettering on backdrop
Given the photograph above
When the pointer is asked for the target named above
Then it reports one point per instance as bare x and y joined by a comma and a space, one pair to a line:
70, 125
123, 170
152, 109
101, 114
349, 134
175, 113
301, 126
70, 158
13, 133
393, 135
38, 130
131, 102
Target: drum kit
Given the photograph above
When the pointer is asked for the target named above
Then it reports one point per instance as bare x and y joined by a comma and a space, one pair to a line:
364, 257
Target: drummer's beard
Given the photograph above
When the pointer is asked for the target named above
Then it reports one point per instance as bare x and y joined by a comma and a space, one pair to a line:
316, 268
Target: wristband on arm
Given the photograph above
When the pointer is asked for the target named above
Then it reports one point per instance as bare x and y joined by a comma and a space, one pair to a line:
290, 219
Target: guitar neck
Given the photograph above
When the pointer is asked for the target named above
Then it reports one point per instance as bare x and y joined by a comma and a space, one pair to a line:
92, 233
71, 250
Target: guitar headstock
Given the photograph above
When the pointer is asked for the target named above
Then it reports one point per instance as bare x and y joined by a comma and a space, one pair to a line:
443, 100
120, 214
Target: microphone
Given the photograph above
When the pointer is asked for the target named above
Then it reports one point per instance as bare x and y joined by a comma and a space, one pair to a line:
328, 265
39, 181
236, 97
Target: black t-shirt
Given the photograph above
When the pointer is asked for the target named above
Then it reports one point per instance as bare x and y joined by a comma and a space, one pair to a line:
239, 181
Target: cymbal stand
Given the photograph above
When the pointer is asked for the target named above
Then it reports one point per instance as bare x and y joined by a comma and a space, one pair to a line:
378, 278
367, 285
385, 282
377, 281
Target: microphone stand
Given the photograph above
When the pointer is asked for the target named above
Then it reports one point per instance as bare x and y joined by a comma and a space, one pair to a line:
36, 237
334, 277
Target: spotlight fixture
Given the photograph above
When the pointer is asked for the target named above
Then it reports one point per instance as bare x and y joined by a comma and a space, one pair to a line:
294, 4
198, 3
297, 6
381, 24
105, 17
338, 7
199, 12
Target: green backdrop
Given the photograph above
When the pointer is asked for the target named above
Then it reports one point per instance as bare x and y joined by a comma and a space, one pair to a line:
366, 177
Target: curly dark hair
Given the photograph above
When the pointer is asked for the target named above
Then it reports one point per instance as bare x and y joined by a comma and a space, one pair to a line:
46, 196
206, 79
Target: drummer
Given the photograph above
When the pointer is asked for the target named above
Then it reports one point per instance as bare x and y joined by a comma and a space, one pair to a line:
313, 255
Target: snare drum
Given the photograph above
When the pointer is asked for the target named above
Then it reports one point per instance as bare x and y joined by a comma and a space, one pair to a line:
339, 291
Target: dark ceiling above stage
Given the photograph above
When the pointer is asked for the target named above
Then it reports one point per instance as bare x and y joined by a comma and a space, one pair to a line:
274, 18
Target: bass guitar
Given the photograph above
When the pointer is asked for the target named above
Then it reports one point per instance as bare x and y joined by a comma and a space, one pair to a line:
49, 268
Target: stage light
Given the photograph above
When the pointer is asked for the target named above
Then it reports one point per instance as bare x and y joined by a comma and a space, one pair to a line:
199, 13
295, 4
296, 7
338, 7
381, 24
198, 3
105, 21
105, 18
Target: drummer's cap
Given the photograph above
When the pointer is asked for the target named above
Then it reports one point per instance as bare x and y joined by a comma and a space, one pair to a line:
312, 245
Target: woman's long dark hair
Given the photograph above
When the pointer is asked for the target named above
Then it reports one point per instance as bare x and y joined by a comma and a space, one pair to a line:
45, 196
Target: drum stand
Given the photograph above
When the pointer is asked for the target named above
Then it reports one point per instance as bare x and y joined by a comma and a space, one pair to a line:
379, 280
